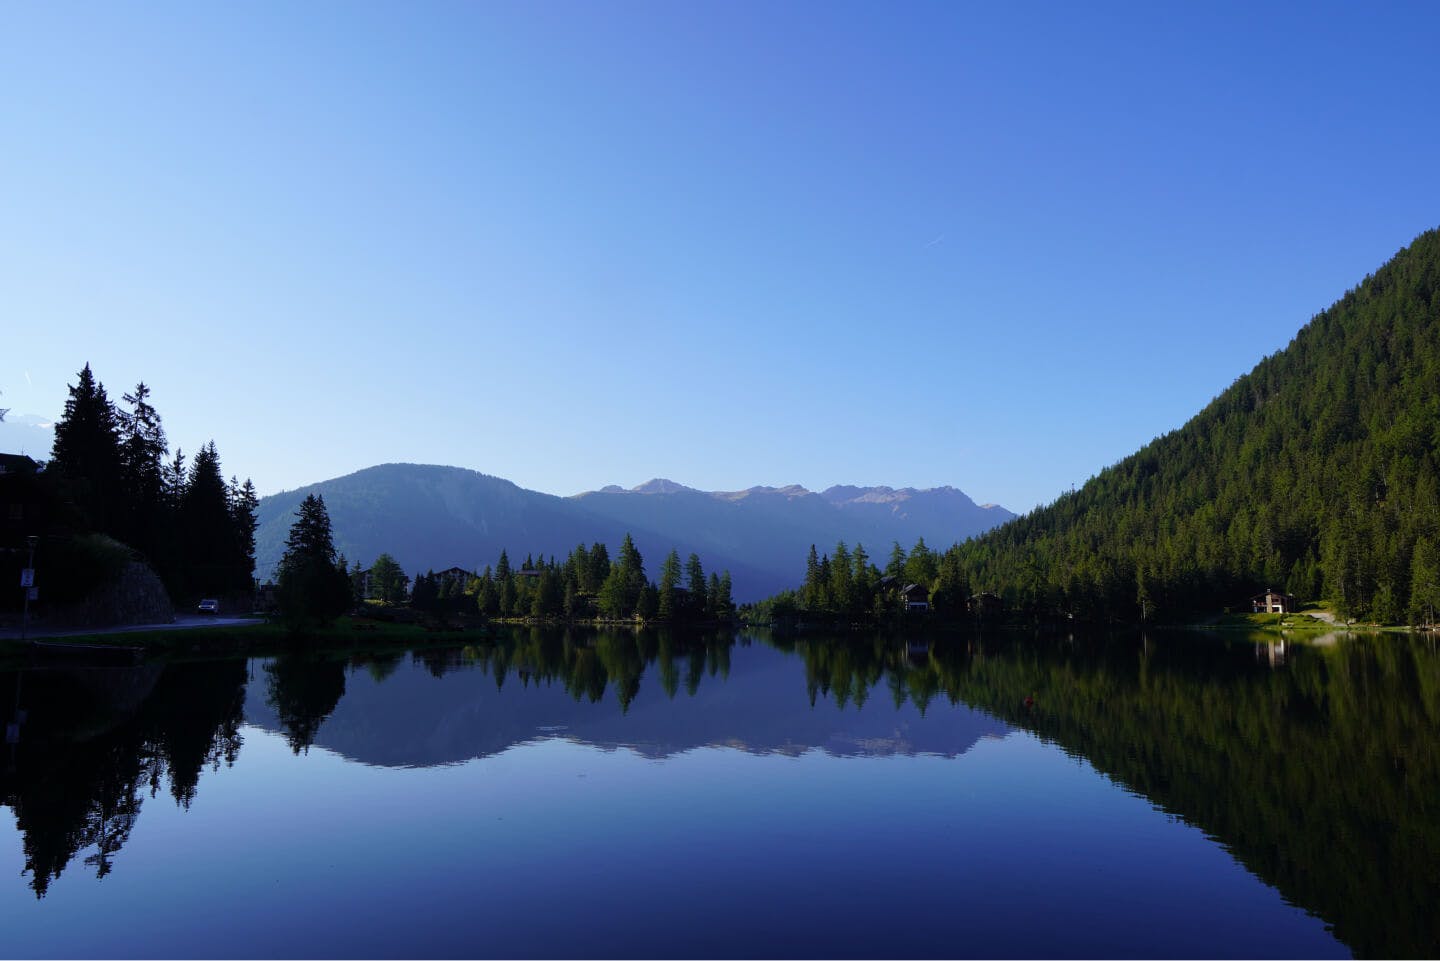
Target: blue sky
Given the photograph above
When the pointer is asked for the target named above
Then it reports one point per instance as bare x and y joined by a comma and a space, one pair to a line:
573, 244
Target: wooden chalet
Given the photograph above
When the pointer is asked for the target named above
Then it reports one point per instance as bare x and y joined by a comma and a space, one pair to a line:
916, 597
1272, 602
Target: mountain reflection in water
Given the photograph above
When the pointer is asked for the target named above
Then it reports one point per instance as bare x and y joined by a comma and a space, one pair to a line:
1316, 767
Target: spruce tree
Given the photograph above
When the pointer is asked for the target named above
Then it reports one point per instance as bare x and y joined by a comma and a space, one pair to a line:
810, 591
695, 581
599, 566
244, 503
896, 565
313, 591
86, 452
207, 533
142, 464
725, 605
712, 596
669, 580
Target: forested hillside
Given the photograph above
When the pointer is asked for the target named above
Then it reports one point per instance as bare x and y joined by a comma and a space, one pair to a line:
1315, 473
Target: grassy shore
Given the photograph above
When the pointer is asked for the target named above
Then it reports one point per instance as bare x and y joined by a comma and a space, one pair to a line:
261, 637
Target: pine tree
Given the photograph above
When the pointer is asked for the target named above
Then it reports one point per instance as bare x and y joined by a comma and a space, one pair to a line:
713, 605
86, 452
1424, 581
357, 580
864, 578
811, 590
310, 537
625, 582
549, 599
921, 566
630, 558
646, 602
724, 607
312, 590
244, 503
142, 465
599, 566
842, 582
175, 480
212, 545
896, 565
669, 580
487, 596
695, 581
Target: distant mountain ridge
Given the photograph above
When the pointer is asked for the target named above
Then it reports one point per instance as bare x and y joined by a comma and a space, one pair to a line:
434, 517
469, 716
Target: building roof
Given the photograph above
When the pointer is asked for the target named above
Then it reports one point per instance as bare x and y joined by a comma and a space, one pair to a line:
17, 464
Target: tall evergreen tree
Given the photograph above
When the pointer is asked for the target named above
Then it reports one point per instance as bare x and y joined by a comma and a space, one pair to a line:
599, 566
669, 580
620, 593
244, 503
724, 606
86, 452
810, 591
213, 548
896, 565
142, 464
695, 581
312, 589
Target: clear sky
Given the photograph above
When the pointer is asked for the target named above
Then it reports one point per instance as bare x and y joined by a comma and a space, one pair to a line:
997, 246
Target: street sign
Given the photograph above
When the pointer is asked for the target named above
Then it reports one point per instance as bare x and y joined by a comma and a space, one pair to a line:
32, 594
27, 577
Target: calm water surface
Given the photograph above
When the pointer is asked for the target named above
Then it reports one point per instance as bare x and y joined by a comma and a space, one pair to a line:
647, 795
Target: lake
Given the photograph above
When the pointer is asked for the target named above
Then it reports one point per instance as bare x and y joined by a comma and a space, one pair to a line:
624, 794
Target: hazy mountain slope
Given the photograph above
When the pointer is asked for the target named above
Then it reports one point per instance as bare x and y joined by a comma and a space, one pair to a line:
1316, 472
430, 517
435, 517
940, 508
27, 434
776, 526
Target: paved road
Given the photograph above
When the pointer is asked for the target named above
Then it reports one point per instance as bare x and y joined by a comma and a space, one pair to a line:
182, 622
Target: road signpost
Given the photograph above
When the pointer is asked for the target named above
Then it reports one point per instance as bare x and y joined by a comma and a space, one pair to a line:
27, 582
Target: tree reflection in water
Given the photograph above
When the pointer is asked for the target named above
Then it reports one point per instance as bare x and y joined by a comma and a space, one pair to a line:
95, 743
1317, 767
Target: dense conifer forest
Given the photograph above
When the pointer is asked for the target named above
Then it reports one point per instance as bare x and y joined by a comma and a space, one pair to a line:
112, 492
586, 585
1317, 473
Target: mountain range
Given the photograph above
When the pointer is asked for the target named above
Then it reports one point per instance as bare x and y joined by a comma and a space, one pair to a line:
408, 720
433, 517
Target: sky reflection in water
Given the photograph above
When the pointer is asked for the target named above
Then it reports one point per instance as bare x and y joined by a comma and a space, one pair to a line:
441, 815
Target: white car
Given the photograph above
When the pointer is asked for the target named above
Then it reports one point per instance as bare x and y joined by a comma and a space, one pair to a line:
208, 606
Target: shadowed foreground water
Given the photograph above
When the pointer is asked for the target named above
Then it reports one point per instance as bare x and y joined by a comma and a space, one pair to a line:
650, 794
